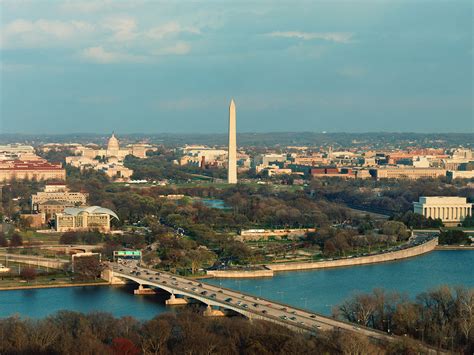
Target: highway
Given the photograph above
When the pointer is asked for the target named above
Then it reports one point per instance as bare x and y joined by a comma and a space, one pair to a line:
248, 305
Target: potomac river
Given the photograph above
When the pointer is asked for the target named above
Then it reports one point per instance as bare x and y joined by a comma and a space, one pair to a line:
317, 290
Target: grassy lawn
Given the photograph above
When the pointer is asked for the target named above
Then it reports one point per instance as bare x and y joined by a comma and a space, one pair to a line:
44, 253
35, 237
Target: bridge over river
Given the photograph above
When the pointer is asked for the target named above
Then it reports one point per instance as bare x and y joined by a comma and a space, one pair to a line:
220, 301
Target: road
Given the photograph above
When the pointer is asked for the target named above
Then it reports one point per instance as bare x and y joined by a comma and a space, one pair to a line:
248, 305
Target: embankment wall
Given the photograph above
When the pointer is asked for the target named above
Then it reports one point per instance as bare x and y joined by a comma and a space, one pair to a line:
370, 259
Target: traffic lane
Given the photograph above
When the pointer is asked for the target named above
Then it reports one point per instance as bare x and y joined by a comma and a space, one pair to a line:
182, 284
269, 307
269, 312
272, 311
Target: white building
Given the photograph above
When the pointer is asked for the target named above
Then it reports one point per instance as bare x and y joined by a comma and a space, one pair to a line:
451, 210
113, 149
199, 155
457, 174
18, 152
110, 160
84, 218
267, 159
58, 192
421, 162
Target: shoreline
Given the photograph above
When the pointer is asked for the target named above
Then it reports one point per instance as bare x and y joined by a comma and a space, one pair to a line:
454, 247
270, 269
32, 287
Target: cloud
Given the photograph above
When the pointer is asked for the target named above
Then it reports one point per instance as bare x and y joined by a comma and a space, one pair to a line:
124, 28
102, 56
180, 48
115, 39
93, 6
338, 37
168, 29
43, 33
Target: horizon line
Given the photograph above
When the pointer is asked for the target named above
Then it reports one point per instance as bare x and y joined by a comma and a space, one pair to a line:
225, 133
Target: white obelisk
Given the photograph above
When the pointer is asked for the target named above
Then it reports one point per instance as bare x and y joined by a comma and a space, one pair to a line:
232, 155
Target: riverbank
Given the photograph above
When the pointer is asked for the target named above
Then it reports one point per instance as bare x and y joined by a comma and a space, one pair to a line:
58, 285
270, 269
239, 273
363, 260
455, 247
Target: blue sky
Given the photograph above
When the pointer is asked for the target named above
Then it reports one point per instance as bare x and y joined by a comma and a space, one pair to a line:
172, 66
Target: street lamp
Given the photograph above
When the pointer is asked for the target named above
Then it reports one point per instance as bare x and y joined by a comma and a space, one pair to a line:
281, 294
305, 301
260, 290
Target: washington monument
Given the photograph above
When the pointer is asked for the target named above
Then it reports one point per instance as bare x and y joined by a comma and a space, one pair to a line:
232, 155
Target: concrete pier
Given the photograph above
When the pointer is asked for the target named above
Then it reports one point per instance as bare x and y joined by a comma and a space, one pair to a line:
108, 275
211, 312
174, 301
144, 291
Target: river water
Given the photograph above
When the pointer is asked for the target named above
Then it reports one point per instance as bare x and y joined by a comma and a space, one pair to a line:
318, 290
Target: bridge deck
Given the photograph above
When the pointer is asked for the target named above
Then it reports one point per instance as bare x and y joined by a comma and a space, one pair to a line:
248, 305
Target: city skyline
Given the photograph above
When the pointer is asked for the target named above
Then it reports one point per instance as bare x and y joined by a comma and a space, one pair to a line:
336, 216
152, 67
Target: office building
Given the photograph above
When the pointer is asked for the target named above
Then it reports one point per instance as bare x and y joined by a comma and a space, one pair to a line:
84, 219
407, 173
31, 170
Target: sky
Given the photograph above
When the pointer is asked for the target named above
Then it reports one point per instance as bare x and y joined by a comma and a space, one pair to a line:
98, 66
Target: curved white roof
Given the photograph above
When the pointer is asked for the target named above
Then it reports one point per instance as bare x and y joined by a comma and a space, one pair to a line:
74, 211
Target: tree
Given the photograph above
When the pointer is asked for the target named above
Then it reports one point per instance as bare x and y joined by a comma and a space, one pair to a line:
442, 317
453, 237
28, 273
415, 220
92, 237
69, 238
395, 228
199, 257
87, 267
468, 221
16, 240
123, 346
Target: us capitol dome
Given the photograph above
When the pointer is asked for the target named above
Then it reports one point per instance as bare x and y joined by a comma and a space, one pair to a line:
113, 146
